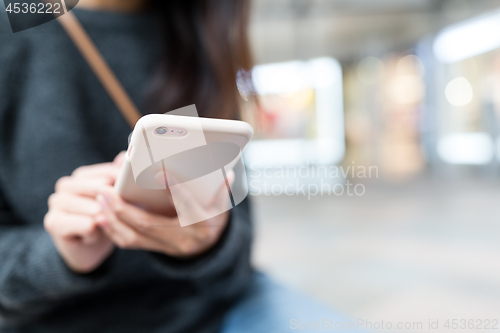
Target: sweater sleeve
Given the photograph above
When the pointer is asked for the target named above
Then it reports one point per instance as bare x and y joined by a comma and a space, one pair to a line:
32, 274
33, 277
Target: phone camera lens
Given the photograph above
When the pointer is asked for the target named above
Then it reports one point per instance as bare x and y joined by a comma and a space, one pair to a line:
161, 130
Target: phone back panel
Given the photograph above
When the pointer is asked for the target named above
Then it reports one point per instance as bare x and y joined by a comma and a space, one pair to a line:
208, 145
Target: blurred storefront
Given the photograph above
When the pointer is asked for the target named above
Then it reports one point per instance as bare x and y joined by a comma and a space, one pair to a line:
434, 107
430, 108
383, 100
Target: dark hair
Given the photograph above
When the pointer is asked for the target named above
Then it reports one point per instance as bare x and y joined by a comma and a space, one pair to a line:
206, 46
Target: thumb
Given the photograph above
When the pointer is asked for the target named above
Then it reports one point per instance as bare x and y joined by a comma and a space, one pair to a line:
118, 161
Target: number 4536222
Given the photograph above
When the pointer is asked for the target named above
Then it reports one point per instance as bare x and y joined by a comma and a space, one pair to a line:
34, 8
470, 324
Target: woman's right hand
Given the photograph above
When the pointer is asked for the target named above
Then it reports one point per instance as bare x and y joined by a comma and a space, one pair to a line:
70, 219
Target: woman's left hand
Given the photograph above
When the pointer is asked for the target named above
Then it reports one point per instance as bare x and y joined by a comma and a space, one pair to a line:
130, 227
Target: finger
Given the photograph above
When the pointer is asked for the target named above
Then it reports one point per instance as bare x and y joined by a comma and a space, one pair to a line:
87, 187
106, 170
161, 179
119, 233
118, 161
124, 235
230, 177
189, 209
221, 197
69, 225
182, 197
93, 237
181, 192
135, 217
130, 227
75, 204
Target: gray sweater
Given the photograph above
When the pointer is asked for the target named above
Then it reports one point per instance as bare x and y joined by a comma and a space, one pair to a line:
54, 117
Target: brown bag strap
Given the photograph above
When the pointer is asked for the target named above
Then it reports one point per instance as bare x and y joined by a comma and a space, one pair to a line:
100, 67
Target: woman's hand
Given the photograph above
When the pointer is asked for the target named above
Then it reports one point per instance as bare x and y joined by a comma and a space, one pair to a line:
130, 227
70, 219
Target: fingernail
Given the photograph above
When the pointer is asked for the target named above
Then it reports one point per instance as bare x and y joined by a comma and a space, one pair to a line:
104, 224
172, 180
159, 177
100, 219
108, 198
102, 201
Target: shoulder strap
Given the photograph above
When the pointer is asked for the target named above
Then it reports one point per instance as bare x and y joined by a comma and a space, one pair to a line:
100, 67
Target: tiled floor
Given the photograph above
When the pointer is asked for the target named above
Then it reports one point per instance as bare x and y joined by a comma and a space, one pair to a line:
419, 252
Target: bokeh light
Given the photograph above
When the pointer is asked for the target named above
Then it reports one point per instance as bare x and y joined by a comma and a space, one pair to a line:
459, 92
410, 68
370, 70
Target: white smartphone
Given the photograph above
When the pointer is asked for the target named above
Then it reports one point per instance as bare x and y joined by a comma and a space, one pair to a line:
192, 150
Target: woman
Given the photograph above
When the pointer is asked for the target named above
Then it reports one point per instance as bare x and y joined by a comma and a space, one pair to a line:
87, 261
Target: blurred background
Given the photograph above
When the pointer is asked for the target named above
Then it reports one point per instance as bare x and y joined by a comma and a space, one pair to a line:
406, 89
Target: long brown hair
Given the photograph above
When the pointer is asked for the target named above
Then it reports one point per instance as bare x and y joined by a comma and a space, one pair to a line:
206, 46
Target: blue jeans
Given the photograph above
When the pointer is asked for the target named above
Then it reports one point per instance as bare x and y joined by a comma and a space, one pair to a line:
271, 308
